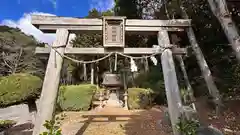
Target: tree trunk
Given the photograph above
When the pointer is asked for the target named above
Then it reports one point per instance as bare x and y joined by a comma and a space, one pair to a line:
220, 10
185, 76
206, 73
175, 40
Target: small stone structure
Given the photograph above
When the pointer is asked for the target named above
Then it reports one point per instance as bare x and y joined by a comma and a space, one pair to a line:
113, 83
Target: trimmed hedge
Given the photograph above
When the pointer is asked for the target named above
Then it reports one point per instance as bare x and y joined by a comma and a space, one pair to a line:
139, 98
153, 79
76, 97
18, 88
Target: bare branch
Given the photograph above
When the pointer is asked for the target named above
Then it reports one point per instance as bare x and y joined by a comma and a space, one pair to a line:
17, 61
5, 62
166, 9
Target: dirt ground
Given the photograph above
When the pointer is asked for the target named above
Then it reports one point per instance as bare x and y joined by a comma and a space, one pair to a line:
117, 121
229, 120
109, 121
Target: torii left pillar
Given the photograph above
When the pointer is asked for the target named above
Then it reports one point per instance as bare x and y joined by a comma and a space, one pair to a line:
170, 81
51, 82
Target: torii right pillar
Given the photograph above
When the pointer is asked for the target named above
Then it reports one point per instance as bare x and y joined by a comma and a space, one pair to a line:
170, 81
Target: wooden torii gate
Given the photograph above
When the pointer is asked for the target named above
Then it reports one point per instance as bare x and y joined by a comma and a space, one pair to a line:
113, 29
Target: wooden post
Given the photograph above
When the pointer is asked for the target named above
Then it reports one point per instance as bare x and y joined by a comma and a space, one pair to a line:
85, 72
206, 73
185, 76
72, 36
110, 64
97, 74
175, 40
51, 83
146, 65
170, 81
92, 73
101, 99
220, 10
125, 91
213, 90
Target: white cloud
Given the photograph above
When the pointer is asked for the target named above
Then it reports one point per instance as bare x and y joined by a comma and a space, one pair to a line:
101, 5
24, 23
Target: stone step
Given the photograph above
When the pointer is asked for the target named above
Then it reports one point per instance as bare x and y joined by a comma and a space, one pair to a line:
96, 102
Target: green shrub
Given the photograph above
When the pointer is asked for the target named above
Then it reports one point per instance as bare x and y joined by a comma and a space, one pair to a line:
18, 88
53, 126
187, 127
5, 124
76, 97
153, 79
139, 98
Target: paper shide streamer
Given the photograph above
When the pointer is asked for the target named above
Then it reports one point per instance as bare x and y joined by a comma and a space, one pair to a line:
133, 66
154, 60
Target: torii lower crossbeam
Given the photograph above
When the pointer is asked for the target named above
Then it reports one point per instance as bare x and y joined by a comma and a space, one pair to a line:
101, 51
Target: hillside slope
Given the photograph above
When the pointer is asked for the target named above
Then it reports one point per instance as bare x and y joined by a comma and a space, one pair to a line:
17, 52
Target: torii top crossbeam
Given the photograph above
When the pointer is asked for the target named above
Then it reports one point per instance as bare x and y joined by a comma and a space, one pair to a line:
49, 24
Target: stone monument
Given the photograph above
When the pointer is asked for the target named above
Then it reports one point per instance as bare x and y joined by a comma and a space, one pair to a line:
113, 83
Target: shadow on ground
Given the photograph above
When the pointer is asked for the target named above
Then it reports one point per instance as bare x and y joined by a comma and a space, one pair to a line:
22, 129
110, 121
146, 122
229, 120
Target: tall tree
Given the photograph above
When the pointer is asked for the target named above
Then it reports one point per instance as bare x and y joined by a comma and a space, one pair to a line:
220, 10
206, 72
127, 8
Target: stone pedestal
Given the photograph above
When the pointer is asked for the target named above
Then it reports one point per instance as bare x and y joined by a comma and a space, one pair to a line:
114, 100
125, 100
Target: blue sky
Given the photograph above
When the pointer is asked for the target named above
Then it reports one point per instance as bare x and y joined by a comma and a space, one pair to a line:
16, 13
14, 9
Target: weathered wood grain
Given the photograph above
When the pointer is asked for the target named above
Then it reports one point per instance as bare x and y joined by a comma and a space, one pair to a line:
92, 73
170, 81
51, 23
100, 51
53, 20
70, 39
206, 72
224, 16
98, 29
51, 83
85, 72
